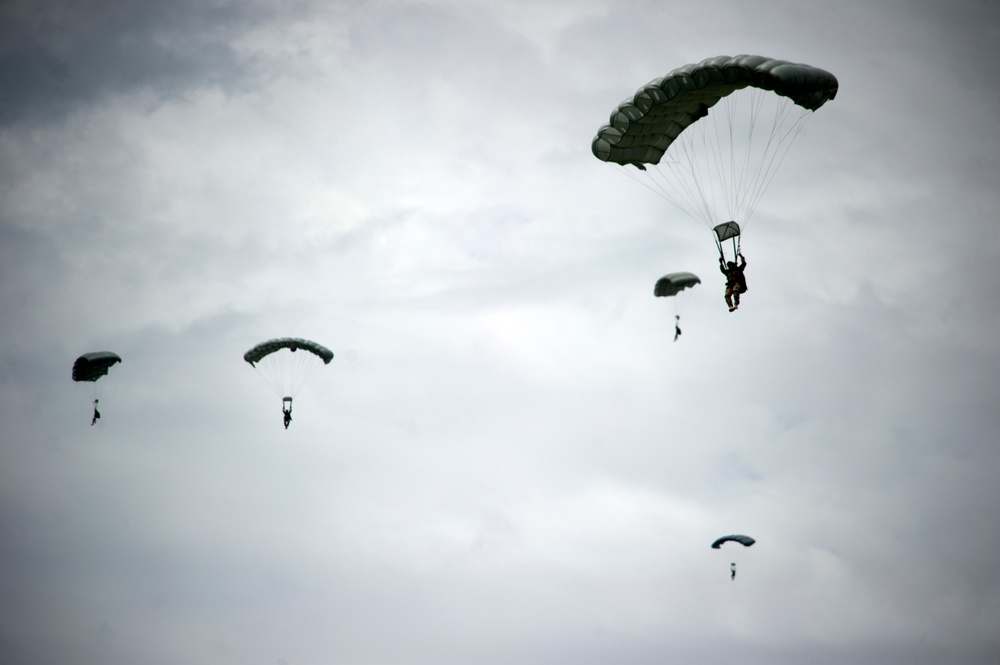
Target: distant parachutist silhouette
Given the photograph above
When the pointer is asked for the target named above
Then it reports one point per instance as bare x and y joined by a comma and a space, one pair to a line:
286, 410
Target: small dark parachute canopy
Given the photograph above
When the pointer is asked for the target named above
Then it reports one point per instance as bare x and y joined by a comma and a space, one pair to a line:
254, 355
92, 366
674, 283
746, 541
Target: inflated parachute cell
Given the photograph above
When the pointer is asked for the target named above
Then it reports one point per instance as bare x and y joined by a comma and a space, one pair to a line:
674, 283
92, 366
643, 127
746, 541
264, 349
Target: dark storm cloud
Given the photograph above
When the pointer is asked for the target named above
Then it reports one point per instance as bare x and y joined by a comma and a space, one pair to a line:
56, 56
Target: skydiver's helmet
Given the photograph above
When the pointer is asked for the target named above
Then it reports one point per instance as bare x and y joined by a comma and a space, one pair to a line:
731, 264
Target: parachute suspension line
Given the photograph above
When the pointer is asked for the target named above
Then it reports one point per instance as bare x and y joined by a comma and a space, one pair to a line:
731, 187
650, 183
286, 374
684, 186
779, 156
758, 174
300, 367
270, 373
659, 184
756, 102
782, 135
710, 149
697, 182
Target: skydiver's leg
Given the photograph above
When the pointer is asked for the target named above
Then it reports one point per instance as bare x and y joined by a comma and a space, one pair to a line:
729, 298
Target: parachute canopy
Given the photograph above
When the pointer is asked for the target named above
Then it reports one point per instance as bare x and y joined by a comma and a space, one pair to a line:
746, 541
674, 283
709, 137
264, 349
92, 366
286, 364
642, 127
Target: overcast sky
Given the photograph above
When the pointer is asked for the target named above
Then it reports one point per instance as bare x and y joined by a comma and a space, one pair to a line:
508, 461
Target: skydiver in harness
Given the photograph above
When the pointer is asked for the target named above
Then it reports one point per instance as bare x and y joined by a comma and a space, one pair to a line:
732, 571
736, 281
677, 326
286, 409
97, 415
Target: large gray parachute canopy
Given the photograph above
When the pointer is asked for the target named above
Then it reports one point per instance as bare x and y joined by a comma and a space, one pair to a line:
674, 283
746, 541
642, 127
263, 349
92, 366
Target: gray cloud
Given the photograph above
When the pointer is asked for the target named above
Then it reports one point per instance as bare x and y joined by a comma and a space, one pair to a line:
60, 56
508, 459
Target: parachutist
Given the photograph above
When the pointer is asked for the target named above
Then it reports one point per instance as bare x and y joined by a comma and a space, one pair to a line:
666, 125
273, 360
671, 286
92, 366
736, 282
745, 541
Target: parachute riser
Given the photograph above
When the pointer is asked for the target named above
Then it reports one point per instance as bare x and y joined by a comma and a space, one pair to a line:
736, 249
727, 231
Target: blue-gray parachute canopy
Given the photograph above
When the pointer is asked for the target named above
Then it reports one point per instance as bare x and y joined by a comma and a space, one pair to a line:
92, 366
746, 541
264, 349
674, 283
